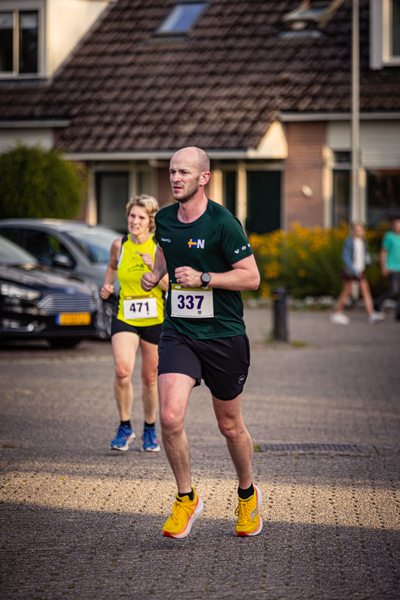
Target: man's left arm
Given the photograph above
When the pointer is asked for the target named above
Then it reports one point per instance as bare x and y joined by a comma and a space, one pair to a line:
243, 276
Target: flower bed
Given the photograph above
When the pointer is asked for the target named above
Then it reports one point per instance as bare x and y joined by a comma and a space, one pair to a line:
307, 261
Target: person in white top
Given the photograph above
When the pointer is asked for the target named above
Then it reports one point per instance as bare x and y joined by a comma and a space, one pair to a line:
355, 256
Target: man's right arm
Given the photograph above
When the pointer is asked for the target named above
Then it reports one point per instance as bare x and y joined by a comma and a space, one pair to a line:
151, 279
383, 257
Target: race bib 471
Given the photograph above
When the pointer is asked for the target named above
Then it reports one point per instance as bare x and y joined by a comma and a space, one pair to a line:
140, 308
191, 303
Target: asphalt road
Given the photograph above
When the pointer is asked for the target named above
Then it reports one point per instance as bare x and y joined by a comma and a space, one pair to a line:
80, 521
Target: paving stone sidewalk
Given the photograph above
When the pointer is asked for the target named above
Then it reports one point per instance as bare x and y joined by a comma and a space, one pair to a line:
79, 521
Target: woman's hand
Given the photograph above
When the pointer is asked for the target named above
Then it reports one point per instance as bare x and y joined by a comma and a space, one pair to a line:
147, 259
106, 291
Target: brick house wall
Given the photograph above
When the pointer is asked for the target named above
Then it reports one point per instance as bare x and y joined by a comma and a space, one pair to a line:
304, 167
164, 194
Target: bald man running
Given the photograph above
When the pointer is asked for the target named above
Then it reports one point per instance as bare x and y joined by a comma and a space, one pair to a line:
205, 252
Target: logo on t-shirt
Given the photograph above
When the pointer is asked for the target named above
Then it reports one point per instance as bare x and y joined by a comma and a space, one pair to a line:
243, 248
196, 243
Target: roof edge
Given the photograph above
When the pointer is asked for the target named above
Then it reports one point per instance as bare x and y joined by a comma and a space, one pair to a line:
151, 155
35, 124
291, 117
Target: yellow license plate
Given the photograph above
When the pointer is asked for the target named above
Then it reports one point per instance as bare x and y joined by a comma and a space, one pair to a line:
73, 319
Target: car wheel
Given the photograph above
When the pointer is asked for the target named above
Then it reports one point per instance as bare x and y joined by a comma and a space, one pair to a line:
64, 342
103, 322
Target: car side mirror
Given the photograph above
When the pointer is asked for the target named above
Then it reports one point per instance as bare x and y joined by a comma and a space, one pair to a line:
60, 260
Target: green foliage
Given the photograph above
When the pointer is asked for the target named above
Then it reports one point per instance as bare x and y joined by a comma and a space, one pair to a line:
39, 184
307, 261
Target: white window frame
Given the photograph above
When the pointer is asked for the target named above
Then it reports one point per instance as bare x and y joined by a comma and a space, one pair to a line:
381, 35
16, 7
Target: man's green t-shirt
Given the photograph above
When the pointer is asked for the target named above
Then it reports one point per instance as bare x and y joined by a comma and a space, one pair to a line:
391, 243
212, 243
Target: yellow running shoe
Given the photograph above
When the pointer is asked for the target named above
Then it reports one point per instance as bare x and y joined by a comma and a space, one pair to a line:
184, 513
248, 512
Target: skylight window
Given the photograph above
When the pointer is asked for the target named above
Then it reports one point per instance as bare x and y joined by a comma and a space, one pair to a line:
182, 17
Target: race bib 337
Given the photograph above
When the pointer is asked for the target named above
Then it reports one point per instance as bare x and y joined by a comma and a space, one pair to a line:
191, 303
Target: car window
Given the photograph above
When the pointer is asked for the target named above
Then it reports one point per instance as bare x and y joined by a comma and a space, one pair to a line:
45, 246
11, 233
11, 254
94, 243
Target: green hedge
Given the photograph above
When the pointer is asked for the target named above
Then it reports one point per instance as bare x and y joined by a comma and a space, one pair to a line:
39, 184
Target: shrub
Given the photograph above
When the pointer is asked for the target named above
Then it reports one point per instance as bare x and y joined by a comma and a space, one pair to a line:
307, 261
39, 184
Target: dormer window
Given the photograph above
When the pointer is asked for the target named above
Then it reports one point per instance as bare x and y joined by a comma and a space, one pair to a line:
19, 42
385, 34
181, 18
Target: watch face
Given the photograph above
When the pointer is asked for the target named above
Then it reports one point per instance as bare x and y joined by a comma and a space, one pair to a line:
205, 278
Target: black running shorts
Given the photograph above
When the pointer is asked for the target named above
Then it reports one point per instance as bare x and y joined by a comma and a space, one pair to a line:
150, 334
223, 363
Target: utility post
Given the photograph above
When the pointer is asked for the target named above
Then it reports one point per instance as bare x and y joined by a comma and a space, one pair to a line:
355, 212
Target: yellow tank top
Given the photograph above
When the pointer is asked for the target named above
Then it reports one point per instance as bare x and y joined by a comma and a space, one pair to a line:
133, 300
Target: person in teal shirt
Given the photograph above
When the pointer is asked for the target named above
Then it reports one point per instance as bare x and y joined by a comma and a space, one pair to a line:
390, 265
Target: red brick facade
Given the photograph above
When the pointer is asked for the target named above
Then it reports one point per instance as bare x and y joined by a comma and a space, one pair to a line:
304, 167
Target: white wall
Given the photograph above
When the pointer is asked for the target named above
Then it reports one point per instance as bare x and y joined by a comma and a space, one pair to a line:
67, 21
379, 142
29, 137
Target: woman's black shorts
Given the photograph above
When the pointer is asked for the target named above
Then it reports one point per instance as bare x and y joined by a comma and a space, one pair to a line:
149, 333
223, 363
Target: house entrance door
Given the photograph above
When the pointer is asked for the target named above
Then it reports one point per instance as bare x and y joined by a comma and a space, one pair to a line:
263, 201
112, 197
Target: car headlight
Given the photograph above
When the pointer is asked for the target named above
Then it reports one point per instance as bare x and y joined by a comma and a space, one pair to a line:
95, 293
15, 291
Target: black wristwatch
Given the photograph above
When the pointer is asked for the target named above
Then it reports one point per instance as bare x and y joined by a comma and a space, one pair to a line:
205, 279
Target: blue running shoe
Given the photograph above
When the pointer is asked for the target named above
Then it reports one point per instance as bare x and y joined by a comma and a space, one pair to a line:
123, 439
149, 438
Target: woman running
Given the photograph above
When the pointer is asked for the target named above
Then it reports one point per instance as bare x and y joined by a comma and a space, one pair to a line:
137, 321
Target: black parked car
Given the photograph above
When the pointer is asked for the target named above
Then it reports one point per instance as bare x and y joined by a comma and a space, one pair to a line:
71, 247
37, 302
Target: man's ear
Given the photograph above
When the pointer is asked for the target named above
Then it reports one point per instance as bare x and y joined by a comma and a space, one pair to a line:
205, 177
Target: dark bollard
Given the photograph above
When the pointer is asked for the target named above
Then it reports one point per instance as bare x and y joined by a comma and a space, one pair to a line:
280, 324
